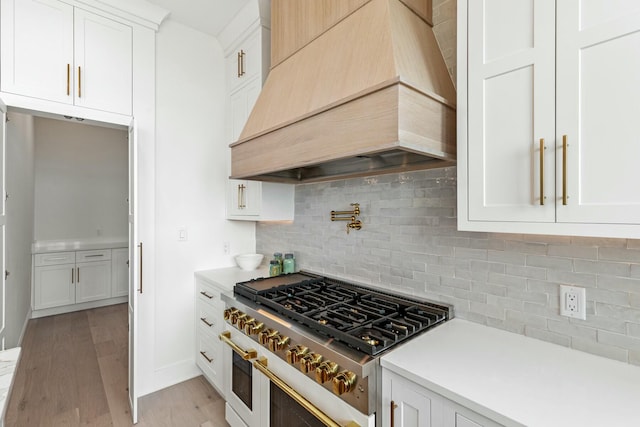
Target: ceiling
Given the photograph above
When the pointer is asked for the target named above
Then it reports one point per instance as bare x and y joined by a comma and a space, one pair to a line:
208, 16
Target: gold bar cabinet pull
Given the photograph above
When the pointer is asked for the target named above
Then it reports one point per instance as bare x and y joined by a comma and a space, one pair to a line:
564, 170
140, 258
241, 62
79, 82
68, 79
542, 148
393, 409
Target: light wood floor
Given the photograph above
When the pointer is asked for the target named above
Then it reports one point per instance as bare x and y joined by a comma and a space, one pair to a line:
73, 372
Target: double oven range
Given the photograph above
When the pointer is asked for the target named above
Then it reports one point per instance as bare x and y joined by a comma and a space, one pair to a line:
304, 350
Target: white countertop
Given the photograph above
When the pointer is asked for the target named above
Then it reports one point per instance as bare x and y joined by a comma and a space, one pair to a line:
45, 246
517, 380
8, 363
225, 278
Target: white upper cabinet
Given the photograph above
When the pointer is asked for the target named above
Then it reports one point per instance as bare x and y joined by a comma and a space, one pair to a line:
103, 58
553, 72
247, 66
598, 90
56, 52
37, 49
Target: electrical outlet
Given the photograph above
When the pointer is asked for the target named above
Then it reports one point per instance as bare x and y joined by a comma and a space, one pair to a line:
226, 247
573, 302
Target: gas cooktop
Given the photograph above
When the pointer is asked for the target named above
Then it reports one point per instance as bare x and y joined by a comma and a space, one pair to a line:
368, 320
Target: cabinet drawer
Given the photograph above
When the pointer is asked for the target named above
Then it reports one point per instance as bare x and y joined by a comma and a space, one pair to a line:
209, 317
207, 293
55, 258
209, 358
97, 255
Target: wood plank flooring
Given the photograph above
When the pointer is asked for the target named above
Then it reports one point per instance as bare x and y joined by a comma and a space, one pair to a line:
73, 372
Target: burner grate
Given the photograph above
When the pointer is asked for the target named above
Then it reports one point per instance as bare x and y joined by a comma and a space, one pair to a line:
366, 319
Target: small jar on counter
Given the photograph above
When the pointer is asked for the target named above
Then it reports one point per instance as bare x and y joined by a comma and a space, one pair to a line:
274, 268
278, 257
289, 264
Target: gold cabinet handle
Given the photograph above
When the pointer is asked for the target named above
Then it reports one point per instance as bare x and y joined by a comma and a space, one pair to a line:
206, 357
206, 295
68, 79
542, 148
72, 281
564, 170
261, 365
204, 320
245, 354
79, 82
241, 196
140, 259
393, 409
241, 62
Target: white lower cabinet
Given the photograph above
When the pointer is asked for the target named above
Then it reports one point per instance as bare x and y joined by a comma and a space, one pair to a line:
209, 324
93, 281
120, 272
63, 280
407, 404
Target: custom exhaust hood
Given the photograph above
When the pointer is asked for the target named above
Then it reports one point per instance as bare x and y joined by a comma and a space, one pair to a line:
370, 95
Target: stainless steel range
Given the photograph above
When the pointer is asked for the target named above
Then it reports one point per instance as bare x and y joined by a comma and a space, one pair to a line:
327, 336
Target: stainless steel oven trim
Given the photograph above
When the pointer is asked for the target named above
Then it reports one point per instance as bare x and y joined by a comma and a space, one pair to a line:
261, 365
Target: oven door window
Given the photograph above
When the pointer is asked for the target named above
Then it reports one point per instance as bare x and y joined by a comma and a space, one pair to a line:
241, 380
284, 411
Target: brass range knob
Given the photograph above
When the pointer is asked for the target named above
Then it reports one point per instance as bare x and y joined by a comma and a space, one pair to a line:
227, 313
278, 342
263, 337
326, 371
295, 354
243, 320
310, 362
344, 382
238, 315
252, 328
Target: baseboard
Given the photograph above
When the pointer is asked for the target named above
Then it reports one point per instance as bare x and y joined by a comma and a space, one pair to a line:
77, 307
24, 327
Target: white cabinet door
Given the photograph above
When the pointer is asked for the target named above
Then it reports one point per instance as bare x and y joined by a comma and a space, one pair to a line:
3, 220
598, 75
103, 63
244, 199
93, 281
119, 272
406, 404
54, 286
510, 110
37, 49
245, 62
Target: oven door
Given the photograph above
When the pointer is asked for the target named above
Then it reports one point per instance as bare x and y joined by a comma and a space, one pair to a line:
246, 390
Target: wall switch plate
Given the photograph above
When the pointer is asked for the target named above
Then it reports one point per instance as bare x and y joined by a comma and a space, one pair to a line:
573, 302
226, 248
182, 234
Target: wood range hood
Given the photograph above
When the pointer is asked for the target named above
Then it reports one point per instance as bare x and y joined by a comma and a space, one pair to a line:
368, 96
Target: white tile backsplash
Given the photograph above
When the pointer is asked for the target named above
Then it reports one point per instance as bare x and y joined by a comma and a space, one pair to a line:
409, 244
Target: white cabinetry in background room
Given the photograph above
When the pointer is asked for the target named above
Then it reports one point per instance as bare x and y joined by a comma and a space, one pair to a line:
75, 280
120, 272
407, 404
247, 58
54, 51
548, 143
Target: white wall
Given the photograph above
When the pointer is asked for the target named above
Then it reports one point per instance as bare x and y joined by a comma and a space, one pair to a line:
81, 181
20, 187
191, 173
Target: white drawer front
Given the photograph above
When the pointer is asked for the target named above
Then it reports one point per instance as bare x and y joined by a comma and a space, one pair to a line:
97, 255
207, 293
55, 258
209, 317
209, 358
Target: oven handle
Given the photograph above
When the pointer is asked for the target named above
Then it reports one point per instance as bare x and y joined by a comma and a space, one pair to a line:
261, 365
245, 354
